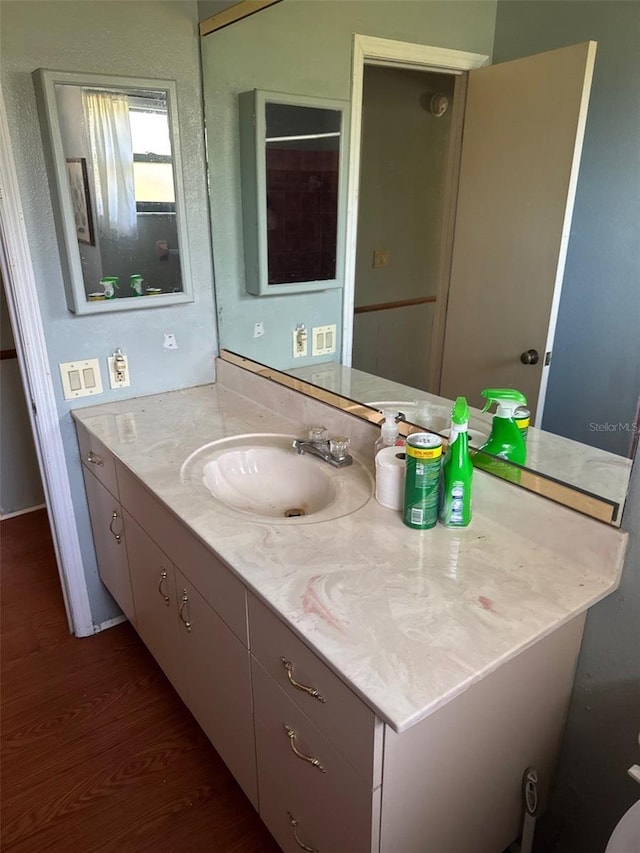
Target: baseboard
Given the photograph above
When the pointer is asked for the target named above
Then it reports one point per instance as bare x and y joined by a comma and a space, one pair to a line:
110, 623
4, 515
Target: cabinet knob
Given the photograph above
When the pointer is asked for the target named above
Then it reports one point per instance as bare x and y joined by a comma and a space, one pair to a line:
310, 690
163, 578
116, 536
292, 743
94, 458
294, 824
183, 603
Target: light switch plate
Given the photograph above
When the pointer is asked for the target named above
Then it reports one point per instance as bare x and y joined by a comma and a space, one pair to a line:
323, 340
81, 378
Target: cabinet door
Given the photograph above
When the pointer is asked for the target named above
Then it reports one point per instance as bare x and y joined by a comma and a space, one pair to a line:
108, 537
154, 593
217, 669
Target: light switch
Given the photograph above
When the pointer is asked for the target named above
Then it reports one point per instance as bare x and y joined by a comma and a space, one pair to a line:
75, 383
323, 340
80, 378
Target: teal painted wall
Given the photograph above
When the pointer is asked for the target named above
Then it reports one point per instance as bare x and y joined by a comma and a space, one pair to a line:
597, 358
148, 39
304, 47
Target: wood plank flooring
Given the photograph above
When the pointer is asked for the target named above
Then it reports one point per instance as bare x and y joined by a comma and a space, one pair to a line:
98, 753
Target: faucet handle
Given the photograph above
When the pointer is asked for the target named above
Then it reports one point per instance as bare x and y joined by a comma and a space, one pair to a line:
318, 433
339, 447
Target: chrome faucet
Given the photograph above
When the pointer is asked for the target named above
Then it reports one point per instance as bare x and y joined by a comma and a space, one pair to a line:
331, 450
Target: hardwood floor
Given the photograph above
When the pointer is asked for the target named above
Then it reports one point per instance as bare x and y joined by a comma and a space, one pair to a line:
98, 753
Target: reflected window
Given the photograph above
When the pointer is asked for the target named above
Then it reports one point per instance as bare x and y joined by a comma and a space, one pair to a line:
152, 163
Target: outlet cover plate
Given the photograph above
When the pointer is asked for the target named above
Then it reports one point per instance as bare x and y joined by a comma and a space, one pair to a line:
81, 378
324, 340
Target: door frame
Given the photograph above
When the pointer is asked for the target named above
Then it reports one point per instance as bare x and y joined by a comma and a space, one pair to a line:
371, 50
35, 371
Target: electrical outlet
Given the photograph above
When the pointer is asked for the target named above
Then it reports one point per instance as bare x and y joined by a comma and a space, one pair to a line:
81, 378
324, 340
118, 365
299, 340
380, 258
258, 330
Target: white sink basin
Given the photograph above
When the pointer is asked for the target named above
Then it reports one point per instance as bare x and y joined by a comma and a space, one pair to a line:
263, 476
433, 417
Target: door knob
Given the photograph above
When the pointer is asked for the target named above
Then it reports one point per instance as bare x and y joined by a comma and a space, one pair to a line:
530, 357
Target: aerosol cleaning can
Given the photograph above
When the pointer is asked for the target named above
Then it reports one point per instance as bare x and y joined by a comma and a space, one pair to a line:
422, 480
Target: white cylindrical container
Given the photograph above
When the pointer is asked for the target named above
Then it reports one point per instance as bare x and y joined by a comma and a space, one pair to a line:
390, 470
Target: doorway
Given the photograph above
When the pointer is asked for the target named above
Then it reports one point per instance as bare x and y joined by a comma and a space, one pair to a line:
409, 136
20, 481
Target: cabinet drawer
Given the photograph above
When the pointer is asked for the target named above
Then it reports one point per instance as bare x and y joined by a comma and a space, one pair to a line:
213, 580
336, 810
340, 715
97, 459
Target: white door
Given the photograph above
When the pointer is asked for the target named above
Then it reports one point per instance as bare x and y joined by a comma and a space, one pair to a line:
523, 131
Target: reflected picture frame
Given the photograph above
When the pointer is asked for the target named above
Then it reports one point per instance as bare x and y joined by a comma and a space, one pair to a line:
81, 199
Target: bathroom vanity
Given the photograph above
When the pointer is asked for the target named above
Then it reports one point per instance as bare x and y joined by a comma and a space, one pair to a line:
371, 687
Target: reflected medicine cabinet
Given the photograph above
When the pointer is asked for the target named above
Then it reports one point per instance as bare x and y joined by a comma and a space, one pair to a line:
293, 165
115, 173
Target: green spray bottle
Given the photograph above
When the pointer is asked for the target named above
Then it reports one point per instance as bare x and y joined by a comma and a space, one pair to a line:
457, 470
506, 439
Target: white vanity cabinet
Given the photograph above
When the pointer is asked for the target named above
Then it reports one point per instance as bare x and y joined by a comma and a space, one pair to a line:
101, 486
319, 747
324, 769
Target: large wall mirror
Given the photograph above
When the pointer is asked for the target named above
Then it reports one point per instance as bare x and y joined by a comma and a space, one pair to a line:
116, 178
397, 119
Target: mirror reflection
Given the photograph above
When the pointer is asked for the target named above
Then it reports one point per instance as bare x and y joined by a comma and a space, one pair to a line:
117, 151
381, 252
302, 166
115, 165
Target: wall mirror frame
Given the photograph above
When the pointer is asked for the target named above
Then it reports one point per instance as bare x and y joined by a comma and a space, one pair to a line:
165, 252
293, 154
594, 506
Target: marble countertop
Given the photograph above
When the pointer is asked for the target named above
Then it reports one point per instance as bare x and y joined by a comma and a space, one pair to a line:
409, 619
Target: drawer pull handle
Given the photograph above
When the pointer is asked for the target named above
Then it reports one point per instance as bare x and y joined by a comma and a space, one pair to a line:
163, 578
183, 603
117, 536
292, 743
94, 458
294, 824
310, 690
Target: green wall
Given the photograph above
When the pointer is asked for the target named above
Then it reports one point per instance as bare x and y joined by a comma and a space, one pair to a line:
302, 47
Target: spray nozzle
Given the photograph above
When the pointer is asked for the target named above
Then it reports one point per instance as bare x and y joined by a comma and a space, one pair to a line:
507, 399
460, 412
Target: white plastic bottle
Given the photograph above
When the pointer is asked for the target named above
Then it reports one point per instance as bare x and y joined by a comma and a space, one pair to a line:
389, 433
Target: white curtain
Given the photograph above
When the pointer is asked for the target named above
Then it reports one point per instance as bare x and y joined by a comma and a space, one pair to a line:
107, 118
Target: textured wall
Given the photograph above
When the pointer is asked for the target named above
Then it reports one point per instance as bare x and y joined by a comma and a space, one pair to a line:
302, 47
149, 39
597, 358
